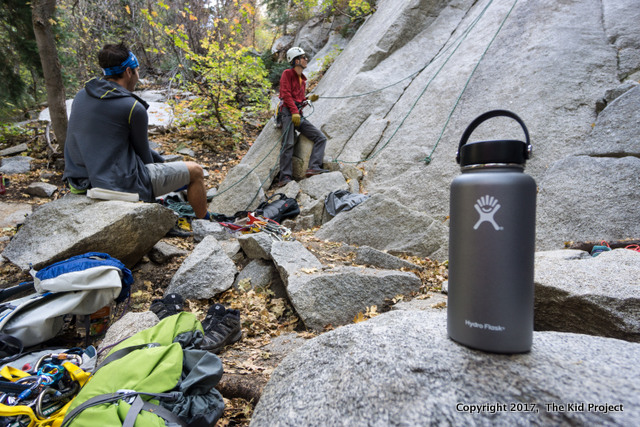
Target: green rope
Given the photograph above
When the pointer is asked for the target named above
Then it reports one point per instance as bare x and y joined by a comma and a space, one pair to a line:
428, 159
183, 209
375, 90
457, 44
253, 168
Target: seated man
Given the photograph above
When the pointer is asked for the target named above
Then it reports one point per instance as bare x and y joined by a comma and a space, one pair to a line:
107, 145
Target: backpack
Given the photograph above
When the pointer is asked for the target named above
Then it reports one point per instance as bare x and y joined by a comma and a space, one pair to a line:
80, 285
157, 377
280, 209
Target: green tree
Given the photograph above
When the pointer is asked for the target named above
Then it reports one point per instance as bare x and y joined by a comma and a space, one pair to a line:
20, 68
288, 15
227, 79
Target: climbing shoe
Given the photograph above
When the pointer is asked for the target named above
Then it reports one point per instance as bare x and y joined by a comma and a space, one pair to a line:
168, 306
221, 328
181, 229
214, 315
284, 181
313, 172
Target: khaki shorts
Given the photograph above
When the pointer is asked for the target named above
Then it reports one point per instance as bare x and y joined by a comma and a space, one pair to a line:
168, 177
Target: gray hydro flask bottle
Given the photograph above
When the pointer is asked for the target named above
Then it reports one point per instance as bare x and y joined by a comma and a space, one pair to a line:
492, 244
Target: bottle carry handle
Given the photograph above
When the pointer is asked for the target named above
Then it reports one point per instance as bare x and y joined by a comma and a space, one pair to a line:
489, 115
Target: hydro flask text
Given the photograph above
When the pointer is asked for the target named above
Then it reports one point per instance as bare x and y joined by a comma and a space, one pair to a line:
496, 328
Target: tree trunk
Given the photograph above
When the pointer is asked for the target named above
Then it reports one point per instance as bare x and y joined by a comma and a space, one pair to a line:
42, 14
247, 387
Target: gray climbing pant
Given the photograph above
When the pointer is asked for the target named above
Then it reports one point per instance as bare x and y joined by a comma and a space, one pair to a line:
308, 130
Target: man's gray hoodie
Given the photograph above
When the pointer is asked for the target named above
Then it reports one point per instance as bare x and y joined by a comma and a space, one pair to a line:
107, 140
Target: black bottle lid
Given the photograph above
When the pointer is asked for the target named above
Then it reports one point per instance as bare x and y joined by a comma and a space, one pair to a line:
503, 151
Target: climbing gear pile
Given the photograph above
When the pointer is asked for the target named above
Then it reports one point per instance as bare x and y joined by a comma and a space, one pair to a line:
40, 394
598, 249
253, 223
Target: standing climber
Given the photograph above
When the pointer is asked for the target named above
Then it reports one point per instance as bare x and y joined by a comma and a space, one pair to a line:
293, 94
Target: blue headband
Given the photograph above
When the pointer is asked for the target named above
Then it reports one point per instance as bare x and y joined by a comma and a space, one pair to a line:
131, 62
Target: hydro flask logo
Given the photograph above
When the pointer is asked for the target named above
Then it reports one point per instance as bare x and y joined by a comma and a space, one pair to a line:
487, 206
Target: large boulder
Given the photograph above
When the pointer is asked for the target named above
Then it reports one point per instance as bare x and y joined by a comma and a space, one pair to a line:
589, 295
577, 201
292, 258
551, 63
336, 296
320, 185
74, 225
205, 273
385, 224
400, 368
242, 190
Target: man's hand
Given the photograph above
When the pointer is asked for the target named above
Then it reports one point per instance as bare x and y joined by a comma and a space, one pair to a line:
295, 118
313, 97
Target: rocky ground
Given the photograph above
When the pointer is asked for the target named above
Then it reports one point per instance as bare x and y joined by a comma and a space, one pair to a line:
248, 364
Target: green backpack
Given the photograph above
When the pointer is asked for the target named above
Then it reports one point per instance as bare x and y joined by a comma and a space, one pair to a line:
157, 377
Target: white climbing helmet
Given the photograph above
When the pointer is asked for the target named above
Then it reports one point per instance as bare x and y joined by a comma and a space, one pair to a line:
293, 53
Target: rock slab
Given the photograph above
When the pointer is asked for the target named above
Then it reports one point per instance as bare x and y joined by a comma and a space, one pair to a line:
205, 273
401, 369
76, 224
336, 296
588, 295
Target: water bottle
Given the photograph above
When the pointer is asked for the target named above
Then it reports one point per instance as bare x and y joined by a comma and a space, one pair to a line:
492, 244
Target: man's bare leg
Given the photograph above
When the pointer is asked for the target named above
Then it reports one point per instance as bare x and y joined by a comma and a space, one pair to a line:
196, 192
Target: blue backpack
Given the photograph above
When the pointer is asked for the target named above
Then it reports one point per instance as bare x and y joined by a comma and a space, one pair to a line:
80, 285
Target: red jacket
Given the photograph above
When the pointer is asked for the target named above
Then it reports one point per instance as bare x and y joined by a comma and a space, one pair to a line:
292, 89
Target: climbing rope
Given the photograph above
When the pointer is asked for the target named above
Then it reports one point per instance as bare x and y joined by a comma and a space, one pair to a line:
457, 43
429, 157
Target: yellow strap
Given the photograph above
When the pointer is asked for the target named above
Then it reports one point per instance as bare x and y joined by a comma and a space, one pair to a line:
131, 112
13, 411
76, 373
12, 374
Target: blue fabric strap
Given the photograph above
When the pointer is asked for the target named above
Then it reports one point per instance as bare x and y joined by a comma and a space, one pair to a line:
130, 62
